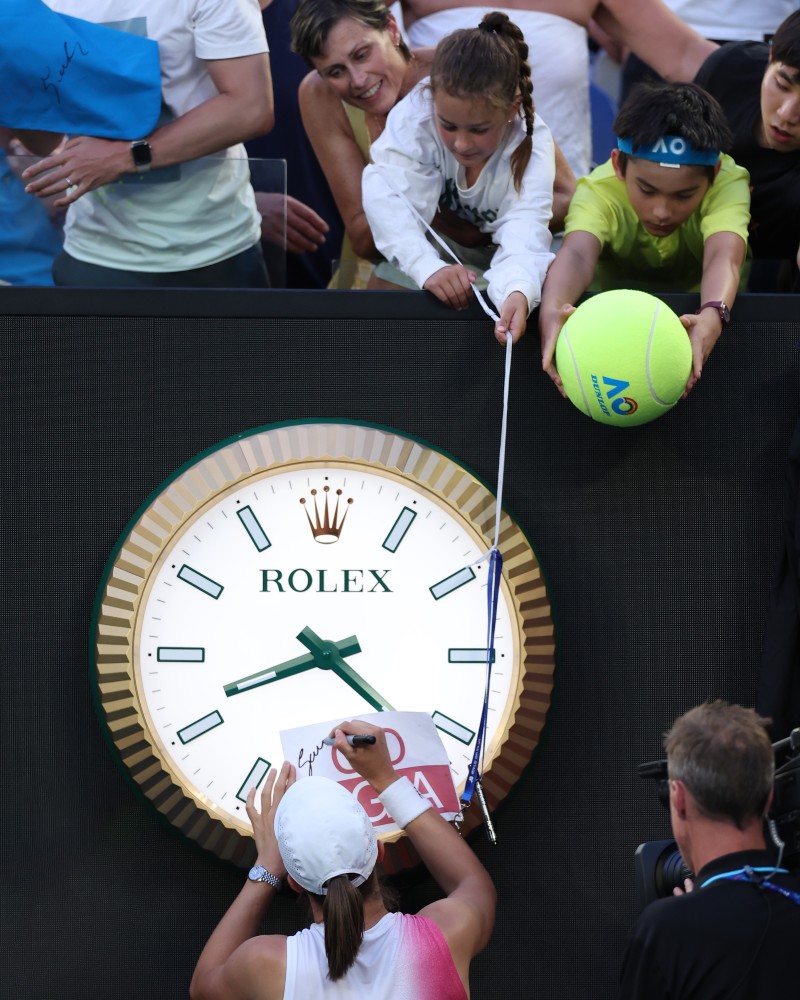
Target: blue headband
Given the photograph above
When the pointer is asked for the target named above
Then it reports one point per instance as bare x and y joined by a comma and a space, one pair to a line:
671, 151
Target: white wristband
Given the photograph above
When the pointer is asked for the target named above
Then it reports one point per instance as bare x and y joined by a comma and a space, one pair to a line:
403, 802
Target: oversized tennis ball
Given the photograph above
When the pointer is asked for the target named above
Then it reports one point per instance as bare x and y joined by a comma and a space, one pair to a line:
624, 357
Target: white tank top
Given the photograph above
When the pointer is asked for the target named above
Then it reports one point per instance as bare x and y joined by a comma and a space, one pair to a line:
403, 957
733, 20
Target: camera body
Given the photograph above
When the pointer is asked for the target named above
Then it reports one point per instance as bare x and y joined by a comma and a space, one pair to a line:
659, 866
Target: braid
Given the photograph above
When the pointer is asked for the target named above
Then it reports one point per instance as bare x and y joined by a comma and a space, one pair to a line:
522, 154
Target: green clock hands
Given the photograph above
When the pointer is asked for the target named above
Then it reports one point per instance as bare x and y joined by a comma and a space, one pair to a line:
345, 647
328, 656
323, 653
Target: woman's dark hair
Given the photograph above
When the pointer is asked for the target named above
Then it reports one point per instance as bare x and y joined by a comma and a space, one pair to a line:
313, 20
489, 63
655, 109
343, 915
786, 42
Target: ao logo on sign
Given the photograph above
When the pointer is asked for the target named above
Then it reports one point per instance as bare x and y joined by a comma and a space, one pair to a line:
426, 782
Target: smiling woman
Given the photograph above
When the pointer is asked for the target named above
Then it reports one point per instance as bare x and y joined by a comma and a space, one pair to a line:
362, 69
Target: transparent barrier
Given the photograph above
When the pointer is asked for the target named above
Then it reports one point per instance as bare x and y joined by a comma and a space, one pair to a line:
165, 222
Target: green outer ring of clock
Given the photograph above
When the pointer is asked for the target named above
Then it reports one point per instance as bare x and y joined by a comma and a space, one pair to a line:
226, 468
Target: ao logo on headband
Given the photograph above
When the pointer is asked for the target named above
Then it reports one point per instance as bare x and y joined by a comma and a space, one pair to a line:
671, 151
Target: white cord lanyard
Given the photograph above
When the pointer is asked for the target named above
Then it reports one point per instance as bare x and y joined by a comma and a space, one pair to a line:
473, 783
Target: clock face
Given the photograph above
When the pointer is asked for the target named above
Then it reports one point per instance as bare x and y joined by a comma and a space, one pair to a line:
271, 586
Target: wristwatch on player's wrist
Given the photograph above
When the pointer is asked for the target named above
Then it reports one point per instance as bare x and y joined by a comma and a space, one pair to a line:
258, 873
722, 311
142, 155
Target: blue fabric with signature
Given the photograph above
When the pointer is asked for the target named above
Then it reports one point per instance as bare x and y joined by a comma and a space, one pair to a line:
63, 74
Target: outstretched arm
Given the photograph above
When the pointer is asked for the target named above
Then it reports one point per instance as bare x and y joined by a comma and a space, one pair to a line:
563, 190
723, 257
657, 36
235, 965
466, 916
567, 279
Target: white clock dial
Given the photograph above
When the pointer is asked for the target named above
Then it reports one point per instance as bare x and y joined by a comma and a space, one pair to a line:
220, 664
271, 594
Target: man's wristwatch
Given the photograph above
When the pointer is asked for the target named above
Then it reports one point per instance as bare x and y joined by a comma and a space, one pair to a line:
258, 873
723, 311
142, 155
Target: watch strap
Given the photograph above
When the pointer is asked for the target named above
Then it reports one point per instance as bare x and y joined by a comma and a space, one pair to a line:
258, 873
721, 309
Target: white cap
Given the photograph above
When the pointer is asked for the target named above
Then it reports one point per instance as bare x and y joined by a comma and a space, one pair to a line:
322, 832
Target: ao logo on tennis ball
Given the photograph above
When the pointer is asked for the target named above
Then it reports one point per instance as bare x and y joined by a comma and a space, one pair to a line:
636, 338
624, 405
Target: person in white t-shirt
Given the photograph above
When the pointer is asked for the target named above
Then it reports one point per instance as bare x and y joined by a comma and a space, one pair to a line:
470, 139
160, 209
315, 833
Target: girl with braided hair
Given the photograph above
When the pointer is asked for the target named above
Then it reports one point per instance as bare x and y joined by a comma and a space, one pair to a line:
468, 140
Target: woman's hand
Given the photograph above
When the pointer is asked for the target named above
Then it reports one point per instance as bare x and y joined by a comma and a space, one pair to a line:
289, 223
372, 762
79, 165
263, 819
452, 285
467, 234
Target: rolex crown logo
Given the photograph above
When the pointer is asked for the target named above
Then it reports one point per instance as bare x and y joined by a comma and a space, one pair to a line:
328, 528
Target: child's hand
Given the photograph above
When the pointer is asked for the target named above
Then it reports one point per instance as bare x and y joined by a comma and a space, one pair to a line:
513, 318
704, 329
452, 285
550, 323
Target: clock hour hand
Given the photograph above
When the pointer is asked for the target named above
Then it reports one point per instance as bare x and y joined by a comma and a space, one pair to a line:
345, 647
328, 656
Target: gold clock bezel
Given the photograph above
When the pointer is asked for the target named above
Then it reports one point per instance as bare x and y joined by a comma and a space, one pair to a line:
264, 452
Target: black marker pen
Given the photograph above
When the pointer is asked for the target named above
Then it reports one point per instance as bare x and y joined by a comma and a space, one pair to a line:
354, 741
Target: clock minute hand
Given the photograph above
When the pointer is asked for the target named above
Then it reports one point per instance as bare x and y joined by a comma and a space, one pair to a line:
328, 656
345, 647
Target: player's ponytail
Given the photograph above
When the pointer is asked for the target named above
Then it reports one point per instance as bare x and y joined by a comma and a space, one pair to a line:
343, 914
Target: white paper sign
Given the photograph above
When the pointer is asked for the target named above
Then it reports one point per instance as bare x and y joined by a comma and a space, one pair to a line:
415, 748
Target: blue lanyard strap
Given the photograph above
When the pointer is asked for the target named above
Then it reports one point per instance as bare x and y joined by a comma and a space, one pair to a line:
495, 575
748, 874
492, 592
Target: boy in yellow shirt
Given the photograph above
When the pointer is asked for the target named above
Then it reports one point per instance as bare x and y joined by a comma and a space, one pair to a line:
668, 212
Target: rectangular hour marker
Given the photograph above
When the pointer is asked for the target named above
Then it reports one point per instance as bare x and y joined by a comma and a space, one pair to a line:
201, 726
181, 654
257, 774
203, 583
453, 728
467, 655
399, 529
452, 582
253, 528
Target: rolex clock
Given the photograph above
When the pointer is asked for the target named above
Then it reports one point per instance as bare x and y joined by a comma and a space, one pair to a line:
305, 572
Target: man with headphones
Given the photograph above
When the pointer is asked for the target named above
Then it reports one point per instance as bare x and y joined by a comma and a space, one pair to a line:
735, 933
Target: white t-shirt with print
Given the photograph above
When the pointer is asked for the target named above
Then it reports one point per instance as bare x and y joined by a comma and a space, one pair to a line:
413, 170
192, 214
